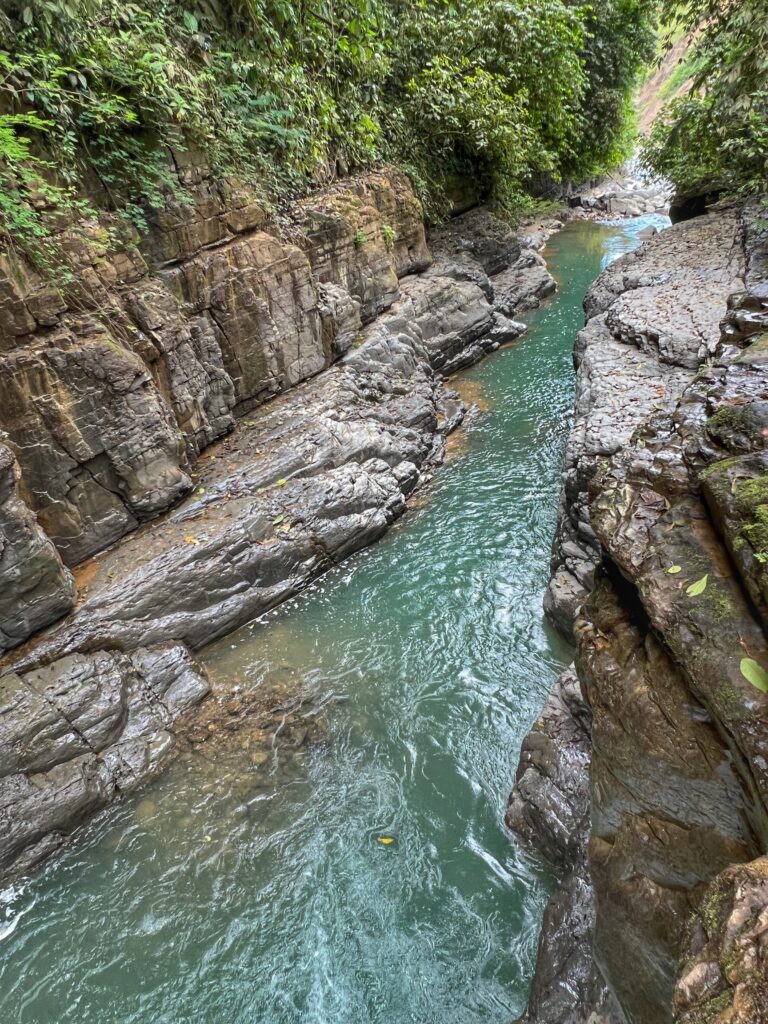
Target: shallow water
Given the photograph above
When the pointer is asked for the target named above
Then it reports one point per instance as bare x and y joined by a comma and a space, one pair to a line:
234, 891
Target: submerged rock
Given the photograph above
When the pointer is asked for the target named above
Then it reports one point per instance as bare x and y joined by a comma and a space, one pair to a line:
79, 732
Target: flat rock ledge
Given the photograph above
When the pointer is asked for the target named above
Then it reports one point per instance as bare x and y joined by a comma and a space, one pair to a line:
349, 330
659, 577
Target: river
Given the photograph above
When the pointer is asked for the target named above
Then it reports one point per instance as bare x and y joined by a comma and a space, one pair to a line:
231, 891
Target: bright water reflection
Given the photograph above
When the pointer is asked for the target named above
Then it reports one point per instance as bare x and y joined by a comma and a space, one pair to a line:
234, 892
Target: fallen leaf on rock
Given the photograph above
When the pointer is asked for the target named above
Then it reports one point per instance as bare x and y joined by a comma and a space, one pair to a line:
281, 482
385, 840
278, 519
673, 569
755, 674
189, 539
698, 587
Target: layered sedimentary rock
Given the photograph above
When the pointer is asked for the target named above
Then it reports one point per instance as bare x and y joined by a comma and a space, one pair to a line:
76, 734
318, 474
344, 319
35, 587
111, 388
672, 649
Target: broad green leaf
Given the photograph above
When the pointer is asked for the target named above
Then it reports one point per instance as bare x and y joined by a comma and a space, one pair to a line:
698, 587
755, 674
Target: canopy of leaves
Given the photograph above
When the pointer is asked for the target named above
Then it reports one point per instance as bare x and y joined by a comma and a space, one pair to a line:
100, 97
715, 138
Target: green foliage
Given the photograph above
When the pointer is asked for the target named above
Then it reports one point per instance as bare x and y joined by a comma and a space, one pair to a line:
102, 97
619, 42
716, 137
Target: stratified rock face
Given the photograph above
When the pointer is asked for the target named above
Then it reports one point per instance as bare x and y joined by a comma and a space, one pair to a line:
109, 393
669, 494
325, 468
363, 236
35, 587
653, 317
98, 446
108, 421
77, 733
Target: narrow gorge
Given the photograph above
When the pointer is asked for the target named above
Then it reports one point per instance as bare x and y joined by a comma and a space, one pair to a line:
383, 512
323, 733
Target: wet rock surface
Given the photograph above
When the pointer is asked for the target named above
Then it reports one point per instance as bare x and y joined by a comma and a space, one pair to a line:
549, 810
652, 317
664, 489
78, 733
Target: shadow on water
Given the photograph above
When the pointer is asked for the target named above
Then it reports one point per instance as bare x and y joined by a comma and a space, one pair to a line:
245, 886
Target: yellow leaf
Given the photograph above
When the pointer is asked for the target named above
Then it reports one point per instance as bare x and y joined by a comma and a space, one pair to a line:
674, 569
281, 482
189, 539
385, 840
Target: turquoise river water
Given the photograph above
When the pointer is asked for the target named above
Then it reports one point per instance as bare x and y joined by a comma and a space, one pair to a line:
229, 892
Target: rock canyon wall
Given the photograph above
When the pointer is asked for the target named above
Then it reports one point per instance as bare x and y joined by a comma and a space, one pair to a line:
644, 780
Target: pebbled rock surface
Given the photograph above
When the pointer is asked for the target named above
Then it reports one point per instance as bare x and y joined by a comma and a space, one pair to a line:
79, 732
724, 978
668, 495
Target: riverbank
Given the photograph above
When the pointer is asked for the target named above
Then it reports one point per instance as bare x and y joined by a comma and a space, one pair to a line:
299, 484
643, 779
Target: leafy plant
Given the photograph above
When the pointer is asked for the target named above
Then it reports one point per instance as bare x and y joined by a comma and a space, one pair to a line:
715, 138
106, 102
